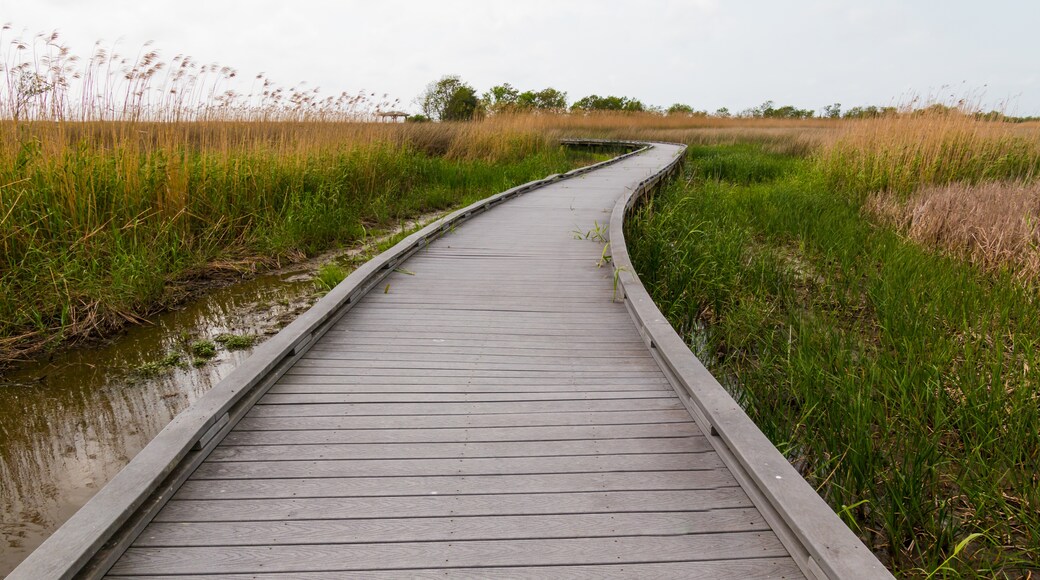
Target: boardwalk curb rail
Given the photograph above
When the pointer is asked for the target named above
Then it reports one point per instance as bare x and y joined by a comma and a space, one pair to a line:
821, 544
96, 535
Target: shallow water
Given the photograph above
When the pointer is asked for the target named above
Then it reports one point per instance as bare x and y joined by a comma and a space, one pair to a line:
69, 424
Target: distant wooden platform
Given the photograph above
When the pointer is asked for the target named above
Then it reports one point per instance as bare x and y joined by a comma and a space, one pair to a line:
488, 410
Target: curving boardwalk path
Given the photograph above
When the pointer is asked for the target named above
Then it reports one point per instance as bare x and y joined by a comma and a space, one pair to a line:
488, 411
492, 411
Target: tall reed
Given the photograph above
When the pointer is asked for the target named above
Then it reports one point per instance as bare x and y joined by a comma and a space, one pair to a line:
899, 154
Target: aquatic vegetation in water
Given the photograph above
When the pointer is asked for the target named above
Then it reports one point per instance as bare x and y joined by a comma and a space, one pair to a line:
203, 349
157, 367
236, 341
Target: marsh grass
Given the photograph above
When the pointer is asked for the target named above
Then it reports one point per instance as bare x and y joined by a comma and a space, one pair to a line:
99, 220
899, 155
902, 382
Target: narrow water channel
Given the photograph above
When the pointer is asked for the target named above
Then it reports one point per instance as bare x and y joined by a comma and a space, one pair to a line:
70, 423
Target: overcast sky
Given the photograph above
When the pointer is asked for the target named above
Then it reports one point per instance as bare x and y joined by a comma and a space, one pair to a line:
707, 53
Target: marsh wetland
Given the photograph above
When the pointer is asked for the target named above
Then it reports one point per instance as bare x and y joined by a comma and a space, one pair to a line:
866, 285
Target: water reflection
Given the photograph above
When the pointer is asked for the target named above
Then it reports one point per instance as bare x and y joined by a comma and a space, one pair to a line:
69, 424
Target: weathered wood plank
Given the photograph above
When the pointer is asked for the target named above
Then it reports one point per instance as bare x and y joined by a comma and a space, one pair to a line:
405, 422
594, 380
474, 373
376, 309
360, 350
556, 391
283, 398
334, 409
590, 339
405, 364
559, 334
531, 305
161, 534
527, 433
549, 328
244, 510
697, 444
402, 556
757, 569
454, 485
502, 344
465, 466
521, 359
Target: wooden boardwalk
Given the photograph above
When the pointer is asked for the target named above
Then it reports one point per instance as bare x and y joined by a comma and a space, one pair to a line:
489, 410
492, 411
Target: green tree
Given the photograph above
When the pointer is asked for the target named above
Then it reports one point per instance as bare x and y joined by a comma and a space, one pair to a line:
789, 112
868, 112
500, 98
550, 100
526, 100
609, 103
680, 109
462, 105
449, 99
768, 110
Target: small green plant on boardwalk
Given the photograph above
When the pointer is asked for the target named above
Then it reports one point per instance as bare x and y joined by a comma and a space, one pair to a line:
900, 378
597, 233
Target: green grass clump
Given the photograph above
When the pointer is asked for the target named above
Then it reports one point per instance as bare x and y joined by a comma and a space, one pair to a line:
203, 349
901, 382
741, 163
329, 276
236, 341
157, 367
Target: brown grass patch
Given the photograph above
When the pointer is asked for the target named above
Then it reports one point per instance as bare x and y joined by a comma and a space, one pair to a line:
994, 225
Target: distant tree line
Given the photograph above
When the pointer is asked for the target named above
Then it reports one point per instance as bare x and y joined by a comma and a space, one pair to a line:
452, 99
505, 98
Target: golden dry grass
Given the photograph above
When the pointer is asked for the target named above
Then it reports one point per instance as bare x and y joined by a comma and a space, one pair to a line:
902, 153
